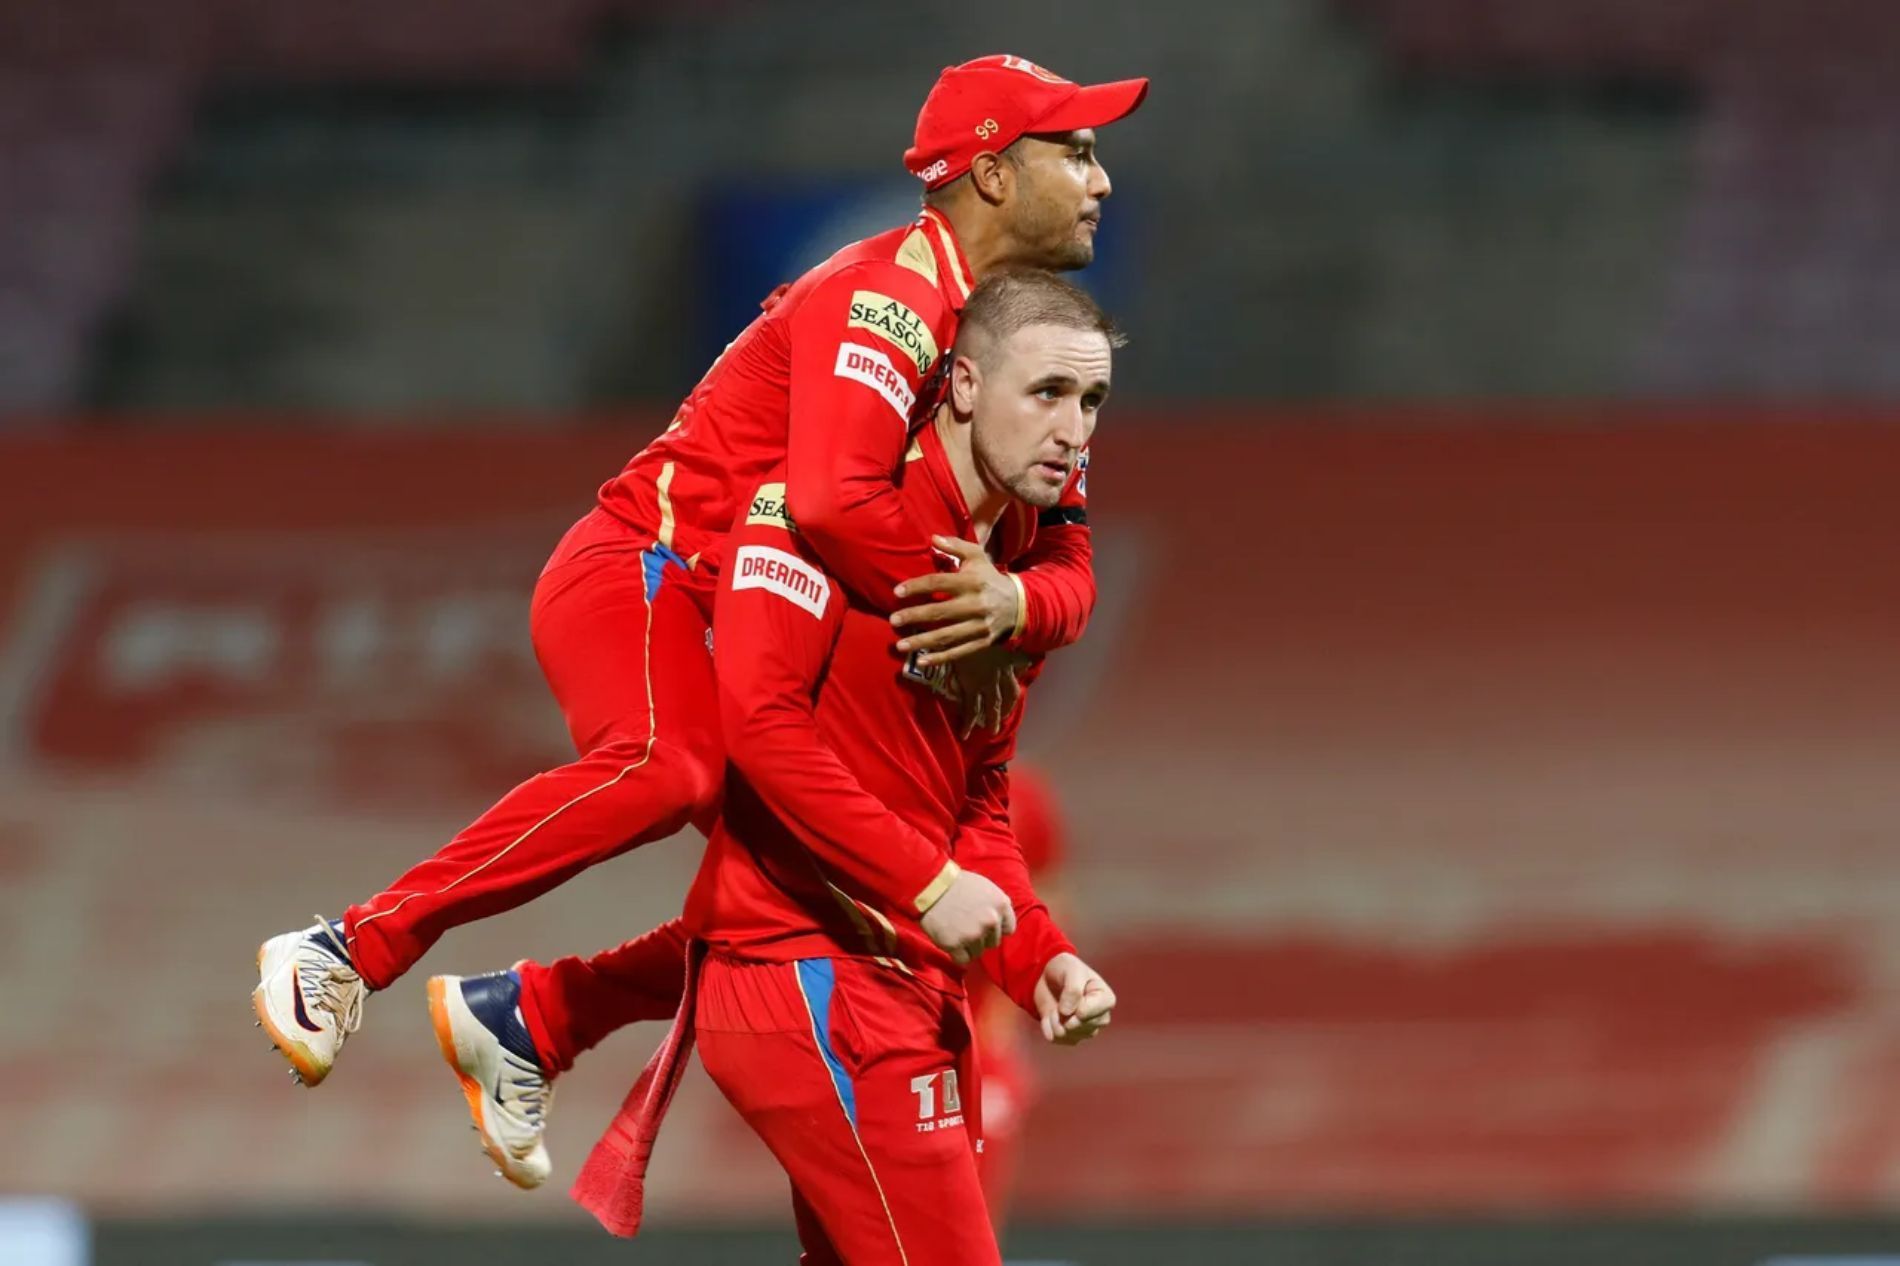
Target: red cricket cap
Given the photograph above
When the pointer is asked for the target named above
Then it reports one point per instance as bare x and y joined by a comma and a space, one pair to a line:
987, 104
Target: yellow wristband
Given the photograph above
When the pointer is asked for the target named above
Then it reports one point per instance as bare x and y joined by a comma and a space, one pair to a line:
938, 886
1022, 607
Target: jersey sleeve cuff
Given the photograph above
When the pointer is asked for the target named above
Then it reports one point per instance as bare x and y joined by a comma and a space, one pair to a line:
1046, 939
937, 887
1041, 940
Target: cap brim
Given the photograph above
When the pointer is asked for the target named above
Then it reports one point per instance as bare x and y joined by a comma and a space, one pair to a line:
1094, 105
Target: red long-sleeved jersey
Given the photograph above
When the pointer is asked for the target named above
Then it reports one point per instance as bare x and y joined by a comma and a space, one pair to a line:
828, 381
853, 799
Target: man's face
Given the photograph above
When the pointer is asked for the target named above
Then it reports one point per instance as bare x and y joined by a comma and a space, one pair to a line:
1060, 186
1036, 410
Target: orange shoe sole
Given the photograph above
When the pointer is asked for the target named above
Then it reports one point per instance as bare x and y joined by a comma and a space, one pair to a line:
288, 1047
471, 1089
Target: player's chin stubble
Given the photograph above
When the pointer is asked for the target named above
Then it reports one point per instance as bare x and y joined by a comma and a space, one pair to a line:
1077, 250
1029, 487
1077, 255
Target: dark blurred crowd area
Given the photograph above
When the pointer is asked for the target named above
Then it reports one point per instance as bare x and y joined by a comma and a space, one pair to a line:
312, 209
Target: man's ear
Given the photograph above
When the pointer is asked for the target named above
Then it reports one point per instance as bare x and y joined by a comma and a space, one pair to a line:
966, 382
993, 178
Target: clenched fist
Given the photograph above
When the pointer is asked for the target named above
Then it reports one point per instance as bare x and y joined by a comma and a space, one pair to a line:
971, 916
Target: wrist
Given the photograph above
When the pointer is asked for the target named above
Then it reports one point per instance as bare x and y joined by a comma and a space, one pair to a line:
1059, 963
1022, 609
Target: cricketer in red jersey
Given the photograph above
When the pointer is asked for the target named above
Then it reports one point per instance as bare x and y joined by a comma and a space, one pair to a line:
993, 104
551, 1013
864, 853
825, 381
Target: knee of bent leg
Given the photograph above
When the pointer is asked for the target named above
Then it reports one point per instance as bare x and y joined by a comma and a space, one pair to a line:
657, 786
696, 774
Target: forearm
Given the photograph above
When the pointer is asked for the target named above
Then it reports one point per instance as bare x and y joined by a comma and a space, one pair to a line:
986, 844
858, 525
861, 346
784, 761
1058, 589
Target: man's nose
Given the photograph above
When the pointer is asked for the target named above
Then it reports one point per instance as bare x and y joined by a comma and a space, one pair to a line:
1073, 430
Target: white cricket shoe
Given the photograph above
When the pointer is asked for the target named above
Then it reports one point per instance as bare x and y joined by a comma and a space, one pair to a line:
479, 1026
308, 998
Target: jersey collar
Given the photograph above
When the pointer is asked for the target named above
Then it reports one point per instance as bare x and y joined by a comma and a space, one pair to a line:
954, 277
943, 480
1014, 531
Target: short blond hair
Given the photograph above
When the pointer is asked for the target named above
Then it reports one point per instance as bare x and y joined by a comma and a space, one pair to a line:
1006, 302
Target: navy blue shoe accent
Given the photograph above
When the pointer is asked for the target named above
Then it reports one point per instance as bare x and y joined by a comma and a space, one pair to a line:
303, 1016
337, 948
495, 999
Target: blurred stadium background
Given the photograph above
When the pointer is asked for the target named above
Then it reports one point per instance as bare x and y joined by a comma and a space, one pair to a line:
1481, 769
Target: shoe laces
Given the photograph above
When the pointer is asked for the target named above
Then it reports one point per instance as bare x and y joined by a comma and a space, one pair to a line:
525, 1091
333, 986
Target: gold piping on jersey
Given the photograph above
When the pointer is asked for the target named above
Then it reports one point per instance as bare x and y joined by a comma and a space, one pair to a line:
857, 910
890, 933
664, 486
964, 284
916, 255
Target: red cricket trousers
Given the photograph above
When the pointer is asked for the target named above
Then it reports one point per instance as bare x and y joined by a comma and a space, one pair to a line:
863, 1083
620, 627
572, 1003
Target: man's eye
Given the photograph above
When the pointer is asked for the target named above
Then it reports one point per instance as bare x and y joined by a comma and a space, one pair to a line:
1049, 393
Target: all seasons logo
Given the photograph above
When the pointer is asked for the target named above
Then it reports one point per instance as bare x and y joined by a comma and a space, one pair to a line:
895, 323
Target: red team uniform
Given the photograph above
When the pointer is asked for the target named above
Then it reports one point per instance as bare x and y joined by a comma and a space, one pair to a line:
825, 1014
797, 487
825, 382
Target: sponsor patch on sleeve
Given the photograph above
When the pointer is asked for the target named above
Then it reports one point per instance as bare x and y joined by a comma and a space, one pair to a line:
787, 575
768, 508
874, 369
896, 324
